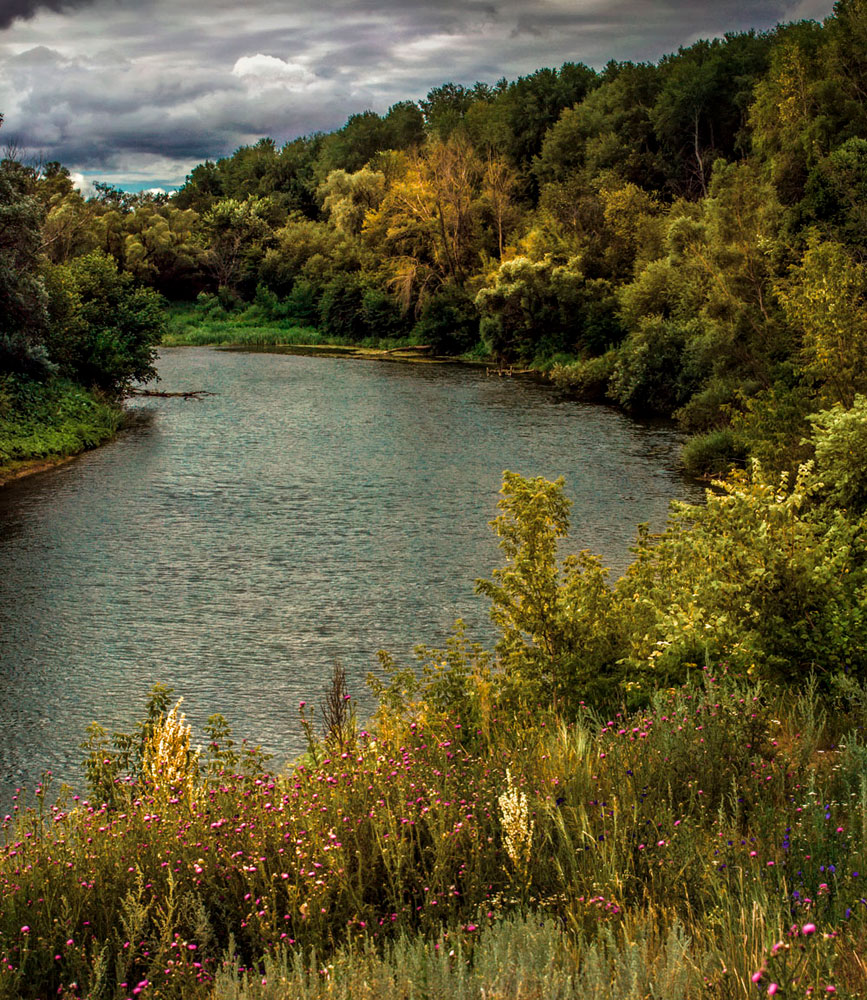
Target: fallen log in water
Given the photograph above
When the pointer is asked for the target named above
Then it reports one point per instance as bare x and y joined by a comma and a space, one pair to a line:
409, 347
189, 394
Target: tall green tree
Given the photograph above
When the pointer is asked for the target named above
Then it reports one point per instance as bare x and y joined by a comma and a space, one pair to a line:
104, 328
23, 299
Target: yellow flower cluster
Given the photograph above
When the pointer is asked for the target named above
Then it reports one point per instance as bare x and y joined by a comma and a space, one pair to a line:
167, 761
517, 825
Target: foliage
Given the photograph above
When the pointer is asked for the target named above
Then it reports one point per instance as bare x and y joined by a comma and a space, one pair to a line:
825, 298
755, 578
671, 849
340, 308
449, 322
51, 419
558, 624
713, 453
840, 438
23, 301
587, 379
104, 329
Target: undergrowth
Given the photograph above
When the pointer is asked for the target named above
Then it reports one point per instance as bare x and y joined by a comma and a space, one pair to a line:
193, 326
54, 419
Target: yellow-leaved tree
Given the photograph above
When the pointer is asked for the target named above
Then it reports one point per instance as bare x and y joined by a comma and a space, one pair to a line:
825, 298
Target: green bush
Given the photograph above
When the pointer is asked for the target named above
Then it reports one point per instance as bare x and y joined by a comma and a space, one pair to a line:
449, 322
648, 375
714, 453
341, 308
587, 379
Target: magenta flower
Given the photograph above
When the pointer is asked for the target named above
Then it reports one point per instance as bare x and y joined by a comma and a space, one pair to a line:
808, 929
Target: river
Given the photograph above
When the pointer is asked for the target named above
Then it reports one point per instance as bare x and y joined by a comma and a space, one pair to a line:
314, 509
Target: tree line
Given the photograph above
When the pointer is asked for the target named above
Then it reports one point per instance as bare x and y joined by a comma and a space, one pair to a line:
684, 238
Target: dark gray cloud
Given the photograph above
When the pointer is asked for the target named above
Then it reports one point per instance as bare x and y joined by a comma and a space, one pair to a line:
138, 89
14, 10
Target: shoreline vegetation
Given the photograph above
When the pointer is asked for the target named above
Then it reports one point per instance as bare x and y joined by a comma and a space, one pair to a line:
43, 426
186, 326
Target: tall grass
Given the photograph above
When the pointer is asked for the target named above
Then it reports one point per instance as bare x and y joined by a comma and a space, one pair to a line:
192, 326
690, 840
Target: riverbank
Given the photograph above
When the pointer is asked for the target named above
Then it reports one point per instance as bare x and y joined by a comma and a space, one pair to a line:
30, 467
189, 326
46, 424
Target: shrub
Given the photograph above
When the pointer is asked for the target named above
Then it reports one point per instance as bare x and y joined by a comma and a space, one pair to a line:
449, 322
341, 308
714, 453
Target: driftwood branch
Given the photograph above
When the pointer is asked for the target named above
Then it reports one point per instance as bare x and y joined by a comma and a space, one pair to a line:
412, 347
189, 394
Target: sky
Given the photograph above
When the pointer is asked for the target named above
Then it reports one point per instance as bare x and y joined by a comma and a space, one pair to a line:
136, 92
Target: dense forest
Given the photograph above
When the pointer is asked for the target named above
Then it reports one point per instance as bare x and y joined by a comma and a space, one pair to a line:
683, 239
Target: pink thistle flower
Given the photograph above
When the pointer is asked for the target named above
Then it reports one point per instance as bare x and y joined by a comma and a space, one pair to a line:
808, 929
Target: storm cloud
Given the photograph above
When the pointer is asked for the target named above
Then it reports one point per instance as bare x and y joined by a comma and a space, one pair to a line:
13, 10
139, 91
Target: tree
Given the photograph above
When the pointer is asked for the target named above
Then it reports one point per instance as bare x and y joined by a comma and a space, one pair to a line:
404, 126
445, 106
237, 232
347, 198
303, 249
351, 147
162, 250
104, 328
825, 297
23, 300
69, 223
498, 185
428, 225
796, 112
558, 622
534, 103
610, 130
700, 112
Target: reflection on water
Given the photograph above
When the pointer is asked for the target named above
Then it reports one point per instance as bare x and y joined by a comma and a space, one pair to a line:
315, 509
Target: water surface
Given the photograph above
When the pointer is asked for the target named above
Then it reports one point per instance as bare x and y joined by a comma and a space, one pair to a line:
314, 509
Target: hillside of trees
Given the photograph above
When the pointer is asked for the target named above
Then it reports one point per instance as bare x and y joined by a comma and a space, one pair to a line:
685, 238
